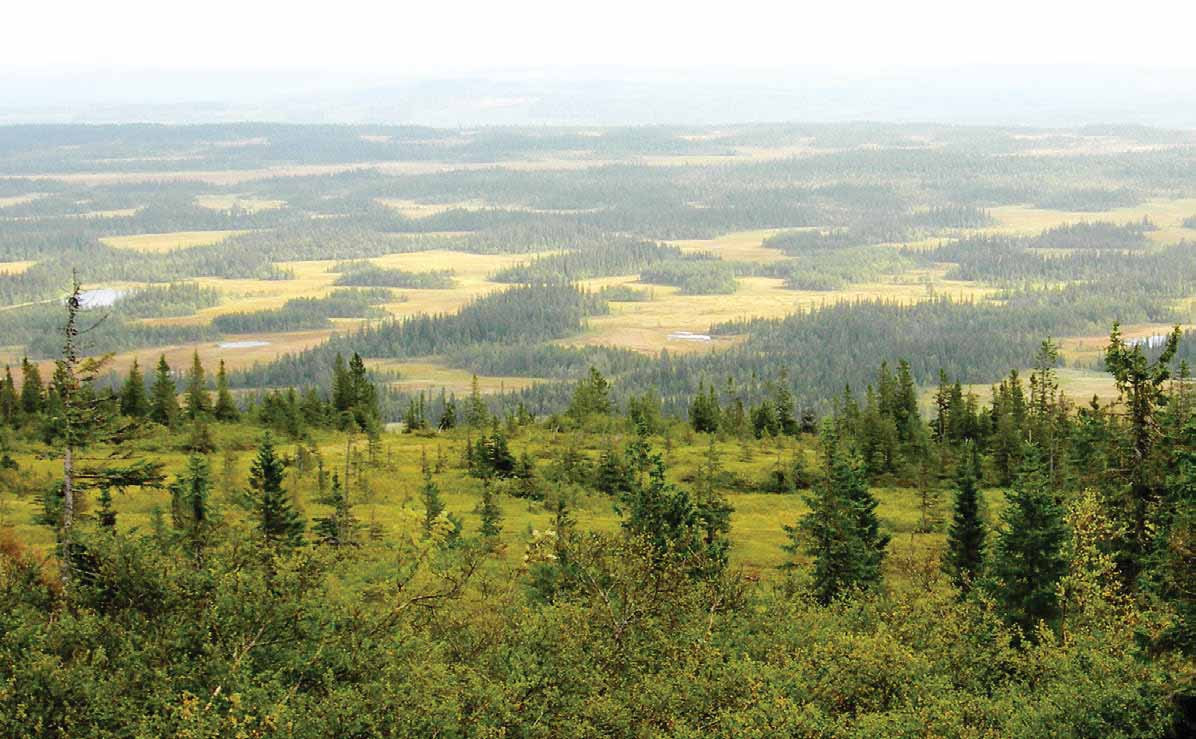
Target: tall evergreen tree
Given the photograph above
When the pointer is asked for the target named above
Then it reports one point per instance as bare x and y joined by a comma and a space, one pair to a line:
81, 418
476, 413
164, 402
1028, 558
133, 400
225, 408
277, 520
841, 533
339, 528
32, 392
199, 402
430, 495
189, 503
964, 560
1141, 384
10, 403
448, 417
491, 514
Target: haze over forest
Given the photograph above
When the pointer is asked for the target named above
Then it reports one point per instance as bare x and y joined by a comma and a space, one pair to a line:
536, 370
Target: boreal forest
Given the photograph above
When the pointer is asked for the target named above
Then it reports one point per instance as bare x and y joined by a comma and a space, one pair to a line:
758, 430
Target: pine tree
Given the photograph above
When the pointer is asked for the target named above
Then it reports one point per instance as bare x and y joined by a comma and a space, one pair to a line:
190, 512
226, 407
841, 532
476, 413
591, 397
491, 514
670, 520
342, 386
448, 417
10, 403
364, 394
1028, 557
164, 402
199, 402
340, 527
430, 494
782, 401
277, 520
964, 559
704, 411
133, 400
611, 476
1140, 384
81, 419
32, 392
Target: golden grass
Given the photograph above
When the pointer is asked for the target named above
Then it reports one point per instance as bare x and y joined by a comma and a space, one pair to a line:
228, 202
416, 209
16, 268
1167, 214
164, 242
746, 246
11, 200
645, 326
432, 376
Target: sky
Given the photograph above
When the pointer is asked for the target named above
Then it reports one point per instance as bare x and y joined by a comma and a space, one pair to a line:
418, 38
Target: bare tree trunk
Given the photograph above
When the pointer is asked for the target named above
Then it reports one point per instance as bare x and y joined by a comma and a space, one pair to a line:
68, 513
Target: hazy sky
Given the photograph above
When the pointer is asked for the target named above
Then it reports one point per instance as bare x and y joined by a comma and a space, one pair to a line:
418, 37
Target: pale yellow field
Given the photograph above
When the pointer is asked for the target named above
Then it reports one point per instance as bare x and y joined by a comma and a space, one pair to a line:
746, 246
645, 326
163, 242
1079, 385
15, 268
431, 376
1168, 215
11, 200
416, 209
228, 202
312, 279
1090, 348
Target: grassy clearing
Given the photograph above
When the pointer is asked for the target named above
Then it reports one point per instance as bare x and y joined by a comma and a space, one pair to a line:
432, 376
164, 242
15, 268
746, 246
11, 200
645, 326
1167, 214
240, 202
393, 486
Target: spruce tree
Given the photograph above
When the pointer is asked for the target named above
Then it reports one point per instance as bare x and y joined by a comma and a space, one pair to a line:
448, 417
133, 400
199, 402
491, 514
782, 401
80, 419
1028, 558
32, 392
430, 495
342, 386
841, 532
964, 559
277, 520
476, 413
1140, 384
226, 407
10, 403
164, 402
189, 503
340, 527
